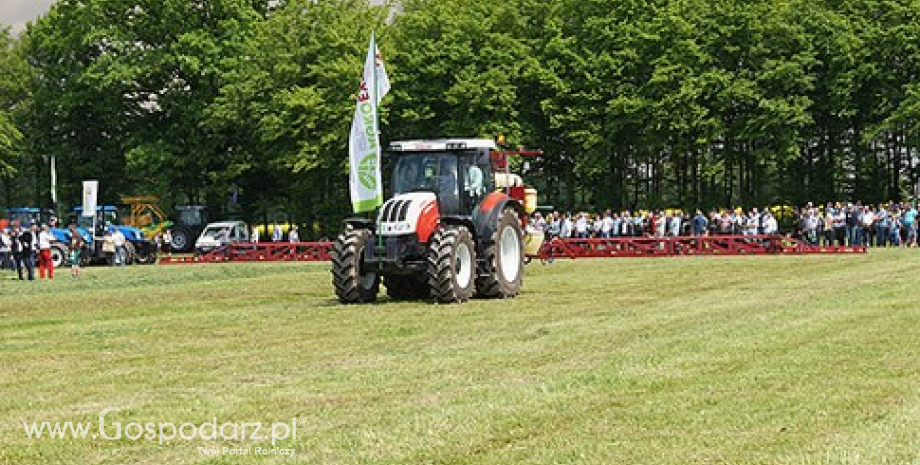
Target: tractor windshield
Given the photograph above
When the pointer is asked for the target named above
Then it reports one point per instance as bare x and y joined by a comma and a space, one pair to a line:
422, 171
103, 219
460, 179
429, 171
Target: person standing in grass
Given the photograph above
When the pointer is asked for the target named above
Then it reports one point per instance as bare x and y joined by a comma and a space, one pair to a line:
882, 225
167, 242
24, 252
770, 226
45, 265
910, 226
700, 224
868, 226
121, 251
894, 234
6, 244
828, 223
76, 251
293, 235
254, 237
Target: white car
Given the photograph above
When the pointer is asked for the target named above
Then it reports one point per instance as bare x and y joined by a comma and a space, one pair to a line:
217, 235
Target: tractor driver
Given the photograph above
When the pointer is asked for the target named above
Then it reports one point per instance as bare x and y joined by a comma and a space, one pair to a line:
474, 181
409, 176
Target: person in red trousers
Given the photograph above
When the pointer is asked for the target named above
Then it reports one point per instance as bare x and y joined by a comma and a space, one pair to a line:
45, 238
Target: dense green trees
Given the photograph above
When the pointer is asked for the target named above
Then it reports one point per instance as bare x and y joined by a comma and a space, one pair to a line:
637, 103
14, 74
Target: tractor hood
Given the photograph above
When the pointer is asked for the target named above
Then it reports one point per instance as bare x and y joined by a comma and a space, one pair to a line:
411, 213
131, 233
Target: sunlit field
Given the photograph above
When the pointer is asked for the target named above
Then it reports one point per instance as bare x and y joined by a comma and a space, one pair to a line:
698, 360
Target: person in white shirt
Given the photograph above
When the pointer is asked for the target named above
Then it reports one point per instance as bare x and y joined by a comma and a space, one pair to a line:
565, 229
45, 265
254, 237
581, 226
293, 235
121, 252
661, 223
6, 248
770, 225
607, 226
538, 223
676, 219
868, 224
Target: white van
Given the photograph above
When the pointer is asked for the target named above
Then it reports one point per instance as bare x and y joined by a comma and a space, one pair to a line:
216, 235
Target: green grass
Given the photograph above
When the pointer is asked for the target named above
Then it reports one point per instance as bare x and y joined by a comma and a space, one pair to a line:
746, 360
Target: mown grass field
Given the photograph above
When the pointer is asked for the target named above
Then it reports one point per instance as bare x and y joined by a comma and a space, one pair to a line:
766, 360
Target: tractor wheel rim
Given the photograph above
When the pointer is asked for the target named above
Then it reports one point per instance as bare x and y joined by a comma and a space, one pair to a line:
464, 266
510, 254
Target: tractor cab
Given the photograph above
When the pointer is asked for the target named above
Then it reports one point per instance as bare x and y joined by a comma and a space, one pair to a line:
105, 216
458, 172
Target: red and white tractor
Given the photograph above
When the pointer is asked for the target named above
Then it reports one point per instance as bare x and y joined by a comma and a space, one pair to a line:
447, 233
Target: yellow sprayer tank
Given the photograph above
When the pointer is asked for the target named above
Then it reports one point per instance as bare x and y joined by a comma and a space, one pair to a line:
530, 200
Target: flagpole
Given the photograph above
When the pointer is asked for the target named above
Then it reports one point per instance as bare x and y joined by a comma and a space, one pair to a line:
376, 111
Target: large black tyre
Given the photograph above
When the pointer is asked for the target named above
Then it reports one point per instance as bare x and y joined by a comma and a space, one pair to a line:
60, 255
146, 253
406, 287
451, 265
504, 259
352, 284
182, 240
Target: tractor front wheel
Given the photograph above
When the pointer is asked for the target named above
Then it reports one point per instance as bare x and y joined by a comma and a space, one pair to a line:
146, 253
352, 283
504, 258
451, 265
60, 254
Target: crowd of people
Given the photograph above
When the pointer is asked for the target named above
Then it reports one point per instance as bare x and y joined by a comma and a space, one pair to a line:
24, 248
855, 224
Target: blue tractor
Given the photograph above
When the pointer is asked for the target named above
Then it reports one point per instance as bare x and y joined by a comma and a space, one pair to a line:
139, 248
27, 216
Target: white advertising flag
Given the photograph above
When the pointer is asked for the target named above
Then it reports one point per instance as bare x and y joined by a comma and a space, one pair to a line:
364, 142
90, 190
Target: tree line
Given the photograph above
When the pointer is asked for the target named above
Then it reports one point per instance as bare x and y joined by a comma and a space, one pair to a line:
245, 105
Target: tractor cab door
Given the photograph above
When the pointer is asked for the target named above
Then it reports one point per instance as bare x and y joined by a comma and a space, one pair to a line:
476, 178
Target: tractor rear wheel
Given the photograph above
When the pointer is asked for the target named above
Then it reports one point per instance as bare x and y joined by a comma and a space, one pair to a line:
352, 283
504, 258
406, 287
60, 255
182, 240
451, 265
